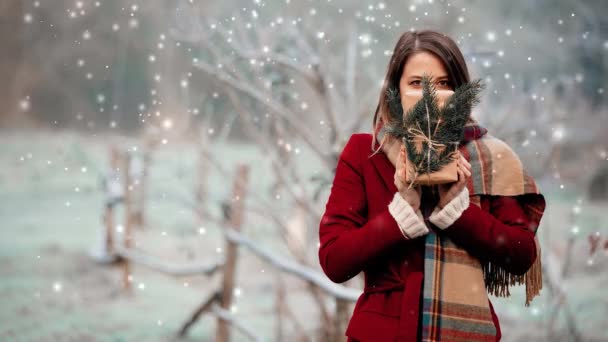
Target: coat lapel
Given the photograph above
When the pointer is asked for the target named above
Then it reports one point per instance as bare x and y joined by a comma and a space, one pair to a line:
385, 170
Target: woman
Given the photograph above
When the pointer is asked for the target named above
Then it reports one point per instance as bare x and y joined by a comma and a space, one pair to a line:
430, 254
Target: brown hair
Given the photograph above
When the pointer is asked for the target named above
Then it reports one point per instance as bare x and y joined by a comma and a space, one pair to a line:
409, 43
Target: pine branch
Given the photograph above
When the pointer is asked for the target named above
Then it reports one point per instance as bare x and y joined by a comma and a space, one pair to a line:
442, 125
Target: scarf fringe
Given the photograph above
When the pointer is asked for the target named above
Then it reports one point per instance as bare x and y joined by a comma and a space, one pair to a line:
498, 280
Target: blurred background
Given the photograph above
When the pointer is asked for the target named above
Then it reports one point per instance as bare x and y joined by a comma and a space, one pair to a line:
165, 164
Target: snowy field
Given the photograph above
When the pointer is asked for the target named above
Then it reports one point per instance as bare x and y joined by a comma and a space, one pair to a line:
51, 206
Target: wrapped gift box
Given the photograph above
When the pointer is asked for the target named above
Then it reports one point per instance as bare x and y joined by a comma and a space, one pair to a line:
449, 173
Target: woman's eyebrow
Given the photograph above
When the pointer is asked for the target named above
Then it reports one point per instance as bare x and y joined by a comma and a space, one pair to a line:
438, 78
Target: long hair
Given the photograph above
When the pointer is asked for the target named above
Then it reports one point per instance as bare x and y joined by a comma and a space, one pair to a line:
409, 43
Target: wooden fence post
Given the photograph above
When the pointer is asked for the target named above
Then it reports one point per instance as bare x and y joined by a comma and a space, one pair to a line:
235, 221
340, 319
127, 229
104, 250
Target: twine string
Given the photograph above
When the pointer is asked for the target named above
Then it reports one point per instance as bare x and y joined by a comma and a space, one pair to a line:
418, 134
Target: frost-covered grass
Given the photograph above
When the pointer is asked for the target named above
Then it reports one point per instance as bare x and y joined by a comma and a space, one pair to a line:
51, 205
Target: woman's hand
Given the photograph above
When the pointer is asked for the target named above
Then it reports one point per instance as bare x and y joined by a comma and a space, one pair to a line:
447, 192
411, 195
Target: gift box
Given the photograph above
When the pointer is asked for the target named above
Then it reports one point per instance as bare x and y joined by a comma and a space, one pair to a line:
431, 123
449, 172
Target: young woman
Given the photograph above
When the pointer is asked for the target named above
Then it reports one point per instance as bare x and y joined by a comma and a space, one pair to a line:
430, 254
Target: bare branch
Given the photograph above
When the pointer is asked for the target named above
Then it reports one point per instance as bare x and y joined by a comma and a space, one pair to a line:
274, 106
303, 272
234, 321
162, 266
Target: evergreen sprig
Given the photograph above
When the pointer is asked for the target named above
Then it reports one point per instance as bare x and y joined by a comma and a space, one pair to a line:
446, 123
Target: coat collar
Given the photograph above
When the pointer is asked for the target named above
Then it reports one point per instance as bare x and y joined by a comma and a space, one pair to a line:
386, 170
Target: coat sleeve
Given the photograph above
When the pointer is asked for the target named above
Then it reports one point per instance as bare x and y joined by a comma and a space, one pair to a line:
347, 238
500, 235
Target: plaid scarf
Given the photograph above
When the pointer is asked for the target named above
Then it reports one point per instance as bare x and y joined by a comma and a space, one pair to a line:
455, 305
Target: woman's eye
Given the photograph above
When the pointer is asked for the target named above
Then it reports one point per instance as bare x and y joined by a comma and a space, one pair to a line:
441, 83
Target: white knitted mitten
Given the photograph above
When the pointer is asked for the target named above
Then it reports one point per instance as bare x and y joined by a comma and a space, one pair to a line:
411, 223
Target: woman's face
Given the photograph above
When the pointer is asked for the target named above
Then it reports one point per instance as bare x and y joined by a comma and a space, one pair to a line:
417, 65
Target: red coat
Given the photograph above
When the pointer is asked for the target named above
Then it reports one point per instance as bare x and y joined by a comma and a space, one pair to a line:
357, 233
